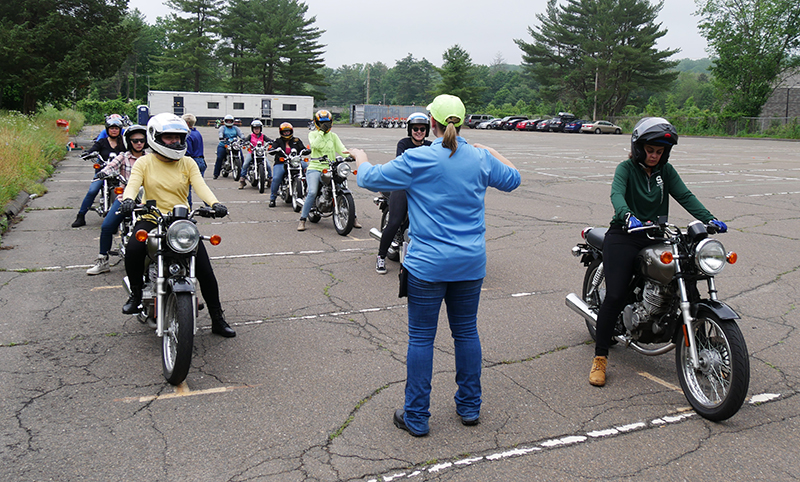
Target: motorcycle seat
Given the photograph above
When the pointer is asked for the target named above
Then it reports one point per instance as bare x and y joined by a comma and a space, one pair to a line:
596, 236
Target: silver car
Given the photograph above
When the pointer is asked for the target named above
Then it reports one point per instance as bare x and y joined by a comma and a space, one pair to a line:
601, 127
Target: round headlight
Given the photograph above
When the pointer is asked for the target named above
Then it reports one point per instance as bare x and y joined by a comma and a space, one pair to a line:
710, 256
183, 236
343, 169
295, 161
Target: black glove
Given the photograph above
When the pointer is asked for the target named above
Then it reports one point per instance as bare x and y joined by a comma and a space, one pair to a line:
100, 175
127, 206
220, 211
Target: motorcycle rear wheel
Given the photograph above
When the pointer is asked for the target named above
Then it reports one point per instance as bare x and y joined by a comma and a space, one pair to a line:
178, 339
718, 388
345, 215
595, 299
262, 179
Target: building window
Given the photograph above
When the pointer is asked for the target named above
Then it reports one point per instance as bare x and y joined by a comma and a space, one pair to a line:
290, 107
213, 105
238, 106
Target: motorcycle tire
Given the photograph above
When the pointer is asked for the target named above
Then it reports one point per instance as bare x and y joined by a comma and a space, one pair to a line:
178, 339
262, 179
345, 215
237, 166
718, 388
314, 217
299, 194
283, 192
384, 218
595, 299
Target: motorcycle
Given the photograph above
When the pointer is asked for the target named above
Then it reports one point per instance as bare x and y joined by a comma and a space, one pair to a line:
382, 201
334, 198
113, 184
665, 311
293, 185
233, 158
169, 295
257, 170
125, 231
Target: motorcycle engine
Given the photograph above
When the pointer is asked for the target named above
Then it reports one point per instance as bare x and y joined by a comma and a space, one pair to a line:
325, 200
645, 319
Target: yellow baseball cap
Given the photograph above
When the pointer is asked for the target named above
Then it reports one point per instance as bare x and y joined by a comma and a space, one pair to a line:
445, 106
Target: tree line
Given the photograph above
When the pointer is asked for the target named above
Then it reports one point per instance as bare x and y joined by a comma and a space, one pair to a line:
597, 58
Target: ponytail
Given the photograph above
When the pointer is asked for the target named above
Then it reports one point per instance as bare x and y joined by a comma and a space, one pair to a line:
450, 132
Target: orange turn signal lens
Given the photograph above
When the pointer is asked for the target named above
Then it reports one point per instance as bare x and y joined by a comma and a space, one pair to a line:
324, 171
97, 166
666, 257
141, 235
215, 239
119, 190
731, 257
355, 171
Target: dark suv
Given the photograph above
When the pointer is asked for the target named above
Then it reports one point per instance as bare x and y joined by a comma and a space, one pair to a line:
558, 122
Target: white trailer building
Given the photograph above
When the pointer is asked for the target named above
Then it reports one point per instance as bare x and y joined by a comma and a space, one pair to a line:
208, 107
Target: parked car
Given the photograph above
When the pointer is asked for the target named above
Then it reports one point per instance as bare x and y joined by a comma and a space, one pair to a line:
574, 126
512, 124
558, 122
474, 119
601, 127
494, 124
485, 124
508, 118
544, 125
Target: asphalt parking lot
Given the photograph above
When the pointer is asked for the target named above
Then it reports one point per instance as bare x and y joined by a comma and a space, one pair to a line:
307, 389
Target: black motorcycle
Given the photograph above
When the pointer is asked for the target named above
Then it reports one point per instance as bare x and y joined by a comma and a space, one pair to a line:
113, 184
293, 185
665, 311
233, 158
393, 253
257, 170
169, 298
334, 198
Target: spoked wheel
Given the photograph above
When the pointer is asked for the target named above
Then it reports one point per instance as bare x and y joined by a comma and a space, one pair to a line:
345, 215
262, 179
594, 297
717, 389
299, 195
176, 348
237, 167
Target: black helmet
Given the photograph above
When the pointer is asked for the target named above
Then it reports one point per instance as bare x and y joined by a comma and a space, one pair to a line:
653, 131
419, 118
132, 130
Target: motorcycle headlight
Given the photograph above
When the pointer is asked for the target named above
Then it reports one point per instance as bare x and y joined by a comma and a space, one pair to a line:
710, 256
183, 236
343, 169
295, 162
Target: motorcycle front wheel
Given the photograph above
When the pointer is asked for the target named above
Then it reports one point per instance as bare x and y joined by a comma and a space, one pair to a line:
176, 348
299, 195
237, 167
345, 215
717, 389
262, 179
596, 297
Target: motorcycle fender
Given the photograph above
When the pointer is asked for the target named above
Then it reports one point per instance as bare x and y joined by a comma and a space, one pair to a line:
181, 285
346, 191
720, 309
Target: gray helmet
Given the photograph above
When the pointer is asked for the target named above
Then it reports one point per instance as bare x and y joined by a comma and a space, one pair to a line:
653, 131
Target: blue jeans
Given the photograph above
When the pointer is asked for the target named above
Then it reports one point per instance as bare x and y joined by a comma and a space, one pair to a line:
248, 158
424, 301
278, 171
94, 188
110, 225
312, 179
201, 164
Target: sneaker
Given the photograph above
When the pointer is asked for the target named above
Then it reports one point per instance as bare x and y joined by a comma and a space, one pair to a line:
597, 376
380, 266
100, 266
302, 225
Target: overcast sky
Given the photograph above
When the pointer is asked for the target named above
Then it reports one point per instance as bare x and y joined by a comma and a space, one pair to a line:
368, 31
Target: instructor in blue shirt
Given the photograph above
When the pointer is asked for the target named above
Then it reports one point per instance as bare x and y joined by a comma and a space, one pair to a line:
445, 184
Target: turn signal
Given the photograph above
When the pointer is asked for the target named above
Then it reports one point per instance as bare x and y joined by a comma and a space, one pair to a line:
666, 257
324, 171
731, 257
141, 235
355, 171
215, 239
119, 190
283, 159
97, 166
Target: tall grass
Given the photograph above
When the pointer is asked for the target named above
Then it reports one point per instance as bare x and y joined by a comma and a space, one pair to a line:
29, 148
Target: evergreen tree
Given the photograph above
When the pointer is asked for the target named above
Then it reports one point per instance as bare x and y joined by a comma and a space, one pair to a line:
756, 43
459, 77
597, 50
414, 80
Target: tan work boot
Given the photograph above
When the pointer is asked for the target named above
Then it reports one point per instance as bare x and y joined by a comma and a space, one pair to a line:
302, 225
242, 183
597, 376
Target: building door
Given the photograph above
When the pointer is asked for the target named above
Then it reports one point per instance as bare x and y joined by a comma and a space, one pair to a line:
177, 106
266, 111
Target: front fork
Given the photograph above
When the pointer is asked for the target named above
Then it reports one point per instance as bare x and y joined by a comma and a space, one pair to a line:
688, 320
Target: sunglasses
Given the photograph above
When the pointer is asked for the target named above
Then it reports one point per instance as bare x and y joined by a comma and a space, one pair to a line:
418, 129
137, 141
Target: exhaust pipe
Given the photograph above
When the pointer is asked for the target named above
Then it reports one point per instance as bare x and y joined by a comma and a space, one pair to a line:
375, 233
579, 306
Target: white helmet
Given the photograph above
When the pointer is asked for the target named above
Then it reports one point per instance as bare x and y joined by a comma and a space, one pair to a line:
228, 120
167, 123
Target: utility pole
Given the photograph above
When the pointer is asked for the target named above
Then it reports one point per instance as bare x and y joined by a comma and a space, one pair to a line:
594, 111
367, 100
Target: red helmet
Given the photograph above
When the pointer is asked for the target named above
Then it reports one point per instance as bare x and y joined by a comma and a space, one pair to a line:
286, 130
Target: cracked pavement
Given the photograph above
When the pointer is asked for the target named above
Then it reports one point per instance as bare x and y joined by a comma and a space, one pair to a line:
306, 390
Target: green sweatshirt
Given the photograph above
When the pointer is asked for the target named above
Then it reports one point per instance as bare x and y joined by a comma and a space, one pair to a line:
324, 143
647, 197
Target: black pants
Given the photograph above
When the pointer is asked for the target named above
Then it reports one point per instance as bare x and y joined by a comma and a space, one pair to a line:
619, 257
398, 209
134, 266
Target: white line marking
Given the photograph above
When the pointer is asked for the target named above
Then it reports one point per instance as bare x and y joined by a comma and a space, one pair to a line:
764, 397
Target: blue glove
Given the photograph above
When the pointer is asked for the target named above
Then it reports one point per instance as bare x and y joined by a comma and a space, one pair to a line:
631, 222
721, 227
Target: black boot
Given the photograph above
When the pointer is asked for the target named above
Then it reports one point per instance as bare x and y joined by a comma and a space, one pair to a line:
218, 324
80, 220
131, 307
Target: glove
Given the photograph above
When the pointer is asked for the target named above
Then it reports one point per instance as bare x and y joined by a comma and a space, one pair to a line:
721, 227
631, 222
127, 206
220, 211
100, 175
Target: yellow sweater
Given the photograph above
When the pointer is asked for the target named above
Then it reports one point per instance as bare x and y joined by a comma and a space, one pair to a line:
167, 182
